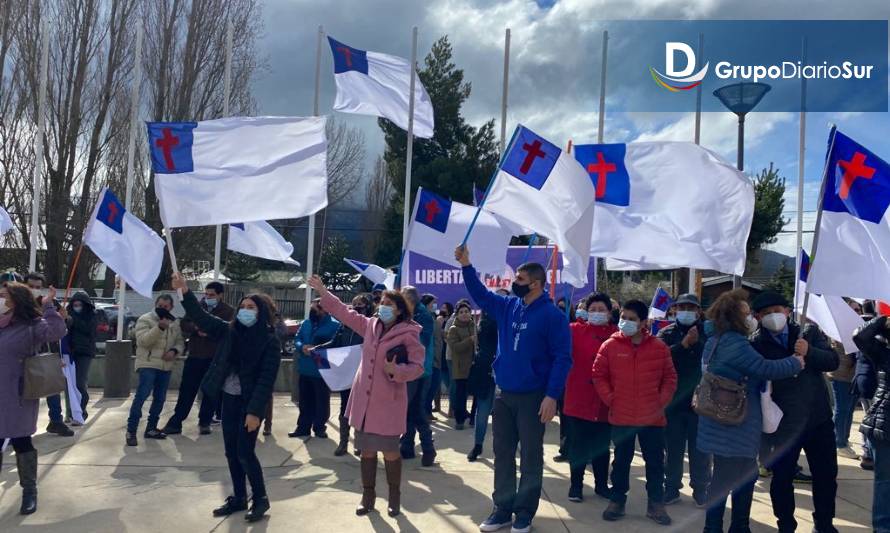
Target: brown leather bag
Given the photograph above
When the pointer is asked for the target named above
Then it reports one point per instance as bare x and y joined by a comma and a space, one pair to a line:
42, 375
720, 399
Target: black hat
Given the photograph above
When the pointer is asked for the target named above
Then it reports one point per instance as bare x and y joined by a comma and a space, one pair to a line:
688, 298
768, 299
379, 287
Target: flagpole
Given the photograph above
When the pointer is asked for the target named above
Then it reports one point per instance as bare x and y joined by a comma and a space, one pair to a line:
38, 146
813, 256
227, 92
801, 169
131, 155
505, 92
310, 247
600, 131
697, 139
409, 154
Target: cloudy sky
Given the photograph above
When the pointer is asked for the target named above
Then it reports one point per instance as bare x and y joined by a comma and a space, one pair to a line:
554, 71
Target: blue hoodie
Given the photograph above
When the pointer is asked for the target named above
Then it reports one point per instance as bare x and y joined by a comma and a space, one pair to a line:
534, 342
323, 332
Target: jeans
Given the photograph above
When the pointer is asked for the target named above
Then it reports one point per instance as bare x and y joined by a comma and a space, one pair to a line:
735, 475
652, 445
880, 512
867, 448
460, 401
844, 402
416, 420
151, 381
241, 449
818, 443
433, 391
315, 405
483, 411
681, 430
54, 405
516, 423
192, 374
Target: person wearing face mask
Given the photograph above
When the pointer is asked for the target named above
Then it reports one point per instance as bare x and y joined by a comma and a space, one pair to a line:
243, 373
314, 396
417, 421
481, 381
533, 361
377, 292
429, 301
686, 339
82, 322
201, 349
158, 342
807, 416
392, 356
24, 326
634, 375
462, 340
443, 378
587, 416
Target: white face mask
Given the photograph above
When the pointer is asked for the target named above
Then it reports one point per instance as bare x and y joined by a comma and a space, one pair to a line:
775, 322
3, 308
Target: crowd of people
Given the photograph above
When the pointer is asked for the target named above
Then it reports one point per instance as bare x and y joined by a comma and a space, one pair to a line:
521, 360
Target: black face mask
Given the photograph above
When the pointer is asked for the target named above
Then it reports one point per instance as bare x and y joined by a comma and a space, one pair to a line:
162, 313
313, 315
520, 291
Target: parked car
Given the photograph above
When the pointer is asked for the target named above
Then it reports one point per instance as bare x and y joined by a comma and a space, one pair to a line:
293, 326
107, 328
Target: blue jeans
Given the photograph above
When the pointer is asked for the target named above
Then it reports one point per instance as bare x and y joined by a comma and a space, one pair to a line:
844, 402
880, 514
54, 404
151, 381
434, 390
483, 410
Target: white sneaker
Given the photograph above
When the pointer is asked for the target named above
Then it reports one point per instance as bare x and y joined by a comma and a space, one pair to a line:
847, 452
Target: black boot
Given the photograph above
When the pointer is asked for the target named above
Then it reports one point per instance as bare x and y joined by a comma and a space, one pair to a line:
394, 479
258, 508
27, 466
576, 490
474, 453
369, 481
344, 438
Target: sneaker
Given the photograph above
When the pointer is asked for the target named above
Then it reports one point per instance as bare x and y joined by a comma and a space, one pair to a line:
847, 453
656, 513
496, 521
474, 453
802, 478
701, 498
60, 429
521, 525
576, 494
672, 498
763, 471
867, 463
131, 439
613, 512
154, 434
428, 458
203, 430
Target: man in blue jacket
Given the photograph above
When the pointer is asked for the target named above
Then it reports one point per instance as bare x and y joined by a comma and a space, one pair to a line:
417, 422
314, 396
533, 360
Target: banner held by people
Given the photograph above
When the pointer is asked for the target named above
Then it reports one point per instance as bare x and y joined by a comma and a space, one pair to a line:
124, 243
259, 239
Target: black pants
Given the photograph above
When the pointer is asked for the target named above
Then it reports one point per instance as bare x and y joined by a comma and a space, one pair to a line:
516, 422
20, 445
192, 374
241, 449
819, 445
736, 475
315, 405
416, 421
460, 401
82, 365
588, 443
680, 432
652, 445
344, 400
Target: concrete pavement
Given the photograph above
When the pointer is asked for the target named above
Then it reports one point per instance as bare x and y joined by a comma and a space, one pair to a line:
94, 483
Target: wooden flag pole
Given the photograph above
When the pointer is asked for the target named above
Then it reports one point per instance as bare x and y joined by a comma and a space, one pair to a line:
73, 272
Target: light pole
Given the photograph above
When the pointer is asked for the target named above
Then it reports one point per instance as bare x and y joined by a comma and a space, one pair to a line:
741, 98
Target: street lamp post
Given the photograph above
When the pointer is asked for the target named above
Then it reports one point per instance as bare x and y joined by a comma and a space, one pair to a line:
741, 98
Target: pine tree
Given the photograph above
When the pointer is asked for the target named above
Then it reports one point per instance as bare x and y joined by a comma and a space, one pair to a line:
241, 268
334, 272
769, 203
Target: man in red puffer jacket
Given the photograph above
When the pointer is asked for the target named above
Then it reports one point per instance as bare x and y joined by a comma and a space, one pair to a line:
634, 374
587, 417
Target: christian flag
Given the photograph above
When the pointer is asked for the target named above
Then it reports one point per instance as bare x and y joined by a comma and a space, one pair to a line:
832, 314
338, 366
853, 254
239, 168
371, 83
661, 302
540, 187
376, 274
5, 222
124, 243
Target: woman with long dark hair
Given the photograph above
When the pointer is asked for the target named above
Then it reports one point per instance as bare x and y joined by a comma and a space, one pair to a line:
243, 371
23, 328
392, 355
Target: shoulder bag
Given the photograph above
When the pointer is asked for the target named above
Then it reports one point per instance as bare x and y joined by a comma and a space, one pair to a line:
42, 375
720, 399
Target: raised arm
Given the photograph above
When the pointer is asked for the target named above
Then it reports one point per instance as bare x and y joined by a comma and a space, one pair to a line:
490, 302
51, 328
751, 363
214, 327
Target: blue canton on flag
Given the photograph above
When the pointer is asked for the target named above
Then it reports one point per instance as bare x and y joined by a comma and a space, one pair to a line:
857, 181
804, 266
661, 300
170, 145
605, 165
433, 210
531, 158
347, 58
111, 212
239, 225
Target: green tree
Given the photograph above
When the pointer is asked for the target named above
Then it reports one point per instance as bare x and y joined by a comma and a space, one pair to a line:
457, 156
241, 268
783, 282
769, 203
334, 272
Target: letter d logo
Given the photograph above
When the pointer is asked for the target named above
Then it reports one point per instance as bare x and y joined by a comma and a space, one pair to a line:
678, 80
670, 50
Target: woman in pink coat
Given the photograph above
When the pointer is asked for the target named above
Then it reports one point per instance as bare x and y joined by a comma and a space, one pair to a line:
391, 357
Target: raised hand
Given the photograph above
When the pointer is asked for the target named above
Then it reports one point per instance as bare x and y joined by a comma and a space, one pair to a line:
462, 255
317, 285
179, 283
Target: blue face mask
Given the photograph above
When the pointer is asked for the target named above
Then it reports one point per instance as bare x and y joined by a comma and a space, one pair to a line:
386, 313
581, 314
247, 317
211, 302
628, 327
687, 318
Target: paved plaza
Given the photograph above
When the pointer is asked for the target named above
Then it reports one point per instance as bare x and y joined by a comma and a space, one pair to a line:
94, 483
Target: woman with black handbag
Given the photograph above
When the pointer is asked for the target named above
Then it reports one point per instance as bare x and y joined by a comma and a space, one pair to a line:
728, 355
23, 328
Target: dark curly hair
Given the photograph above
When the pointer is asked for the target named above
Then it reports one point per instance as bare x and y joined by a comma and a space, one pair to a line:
726, 312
